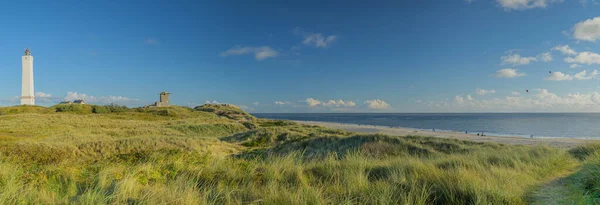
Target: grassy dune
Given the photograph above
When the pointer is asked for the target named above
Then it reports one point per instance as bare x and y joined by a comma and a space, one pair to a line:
219, 154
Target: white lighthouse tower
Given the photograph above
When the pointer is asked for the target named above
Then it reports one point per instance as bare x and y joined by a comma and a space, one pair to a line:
27, 95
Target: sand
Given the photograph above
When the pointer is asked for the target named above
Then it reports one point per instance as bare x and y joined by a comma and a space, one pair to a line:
515, 140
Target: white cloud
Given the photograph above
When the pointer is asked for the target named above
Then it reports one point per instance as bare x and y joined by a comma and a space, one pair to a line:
311, 102
212, 102
565, 49
559, 76
459, 100
574, 66
545, 57
516, 59
256, 103
584, 58
509, 73
588, 30
98, 100
525, 4
339, 103
583, 75
280, 103
260, 53
538, 100
42, 95
484, 92
377, 104
515, 93
316, 39
151, 41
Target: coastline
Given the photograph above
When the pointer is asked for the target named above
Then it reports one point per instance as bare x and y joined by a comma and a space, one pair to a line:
400, 131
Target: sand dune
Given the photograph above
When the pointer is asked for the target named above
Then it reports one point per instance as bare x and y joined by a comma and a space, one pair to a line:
554, 142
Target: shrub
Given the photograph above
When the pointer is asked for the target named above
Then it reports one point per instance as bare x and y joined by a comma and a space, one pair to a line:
73, 108
98, 109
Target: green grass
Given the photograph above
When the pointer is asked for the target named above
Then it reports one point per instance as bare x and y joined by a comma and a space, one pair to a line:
583, 186
211, 155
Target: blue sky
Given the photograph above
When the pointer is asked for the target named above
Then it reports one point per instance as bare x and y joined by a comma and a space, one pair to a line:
310, 56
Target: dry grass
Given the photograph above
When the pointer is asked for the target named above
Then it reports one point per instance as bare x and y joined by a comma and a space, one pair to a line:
186, 156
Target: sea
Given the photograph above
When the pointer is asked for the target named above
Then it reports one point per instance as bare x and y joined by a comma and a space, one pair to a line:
549, 125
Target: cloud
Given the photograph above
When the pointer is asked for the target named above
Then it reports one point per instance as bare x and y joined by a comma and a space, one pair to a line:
574, 66
151, 41
516, 59
377, 104
256, 103
565, 49
583, 75
459, 99
311, 102
538, 100
316, 39
509, 73
484, 92
588, 30
525, 4
98, 100
212, 102
559, 76
42, 95
515, 93
584, 58
280, 103
260, 53
339, 103
545, 57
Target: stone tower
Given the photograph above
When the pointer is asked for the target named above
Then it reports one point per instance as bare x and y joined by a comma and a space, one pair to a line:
27, 94
164, 100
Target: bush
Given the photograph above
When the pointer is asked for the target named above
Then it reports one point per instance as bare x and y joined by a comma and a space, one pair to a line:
111, 108
74, 108
98, 109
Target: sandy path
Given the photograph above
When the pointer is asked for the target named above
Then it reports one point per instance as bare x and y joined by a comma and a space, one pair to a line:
554, 142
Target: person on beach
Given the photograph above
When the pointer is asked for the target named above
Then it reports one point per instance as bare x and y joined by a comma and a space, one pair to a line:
433, 129
466, 132
531, 136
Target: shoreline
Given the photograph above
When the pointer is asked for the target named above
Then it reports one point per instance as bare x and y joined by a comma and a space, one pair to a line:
401, 131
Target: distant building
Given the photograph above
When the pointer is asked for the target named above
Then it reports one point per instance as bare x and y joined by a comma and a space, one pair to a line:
164, 100
73, 102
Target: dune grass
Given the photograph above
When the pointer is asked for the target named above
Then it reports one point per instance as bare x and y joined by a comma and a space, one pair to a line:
211, 155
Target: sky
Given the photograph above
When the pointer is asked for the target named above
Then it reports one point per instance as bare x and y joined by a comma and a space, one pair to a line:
309, 56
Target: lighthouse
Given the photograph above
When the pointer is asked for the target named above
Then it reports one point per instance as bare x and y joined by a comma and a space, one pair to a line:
27, 95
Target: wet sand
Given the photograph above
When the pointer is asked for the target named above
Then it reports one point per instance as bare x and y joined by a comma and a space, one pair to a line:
397, 131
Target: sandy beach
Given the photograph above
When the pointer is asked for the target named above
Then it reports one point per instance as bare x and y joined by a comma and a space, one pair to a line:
398, 131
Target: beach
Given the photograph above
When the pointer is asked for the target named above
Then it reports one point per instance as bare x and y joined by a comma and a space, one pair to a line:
399, 131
